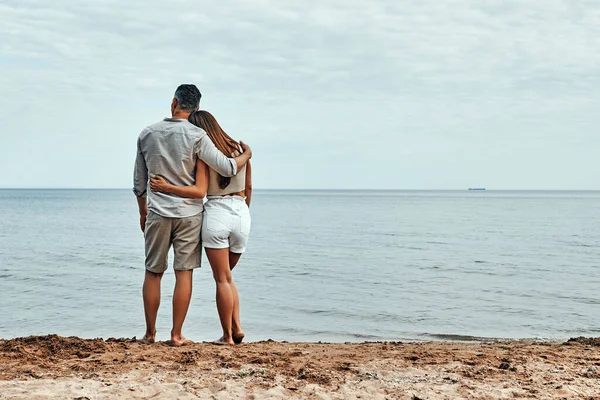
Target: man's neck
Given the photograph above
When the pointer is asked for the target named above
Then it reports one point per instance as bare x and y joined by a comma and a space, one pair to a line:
180, 115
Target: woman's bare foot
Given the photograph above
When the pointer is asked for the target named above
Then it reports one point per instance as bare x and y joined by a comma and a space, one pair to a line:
238, 337
179, 341
223, 342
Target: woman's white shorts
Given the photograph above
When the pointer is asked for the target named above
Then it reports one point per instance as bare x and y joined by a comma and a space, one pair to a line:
226, 223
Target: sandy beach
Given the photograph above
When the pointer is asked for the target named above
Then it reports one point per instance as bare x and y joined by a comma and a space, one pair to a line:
41, 367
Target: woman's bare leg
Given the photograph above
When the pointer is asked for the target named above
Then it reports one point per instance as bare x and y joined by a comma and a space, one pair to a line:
236, 326
219, 262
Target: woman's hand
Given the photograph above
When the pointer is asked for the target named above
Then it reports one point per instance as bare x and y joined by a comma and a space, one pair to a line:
159, 184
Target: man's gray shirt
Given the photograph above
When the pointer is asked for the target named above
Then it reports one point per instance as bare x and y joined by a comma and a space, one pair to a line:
170, 148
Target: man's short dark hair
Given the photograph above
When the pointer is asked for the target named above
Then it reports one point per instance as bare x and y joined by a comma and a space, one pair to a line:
188, 97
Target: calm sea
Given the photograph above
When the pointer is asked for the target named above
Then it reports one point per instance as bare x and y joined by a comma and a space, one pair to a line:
320, 265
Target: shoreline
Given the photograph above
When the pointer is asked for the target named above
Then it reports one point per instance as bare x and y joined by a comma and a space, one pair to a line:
71, 367
355, 339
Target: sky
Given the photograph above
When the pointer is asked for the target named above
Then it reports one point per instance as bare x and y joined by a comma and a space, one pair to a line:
330, 94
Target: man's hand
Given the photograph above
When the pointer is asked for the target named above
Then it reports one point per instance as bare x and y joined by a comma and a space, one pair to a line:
246, 149
143, 209
143, 222
243, 158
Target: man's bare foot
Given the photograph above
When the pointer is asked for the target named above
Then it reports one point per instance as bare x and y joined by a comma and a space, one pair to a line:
179, 341
223, 342
147, 339
238, 337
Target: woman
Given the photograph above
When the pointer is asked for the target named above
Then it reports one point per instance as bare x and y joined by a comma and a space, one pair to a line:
226, 222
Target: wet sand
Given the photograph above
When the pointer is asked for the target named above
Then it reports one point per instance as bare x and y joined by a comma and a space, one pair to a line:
41, 367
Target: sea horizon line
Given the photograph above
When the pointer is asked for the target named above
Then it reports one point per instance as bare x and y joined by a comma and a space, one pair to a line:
331, 190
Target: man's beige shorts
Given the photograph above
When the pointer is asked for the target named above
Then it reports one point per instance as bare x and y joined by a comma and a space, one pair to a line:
183, 233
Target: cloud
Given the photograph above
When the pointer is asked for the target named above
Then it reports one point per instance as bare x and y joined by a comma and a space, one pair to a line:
329, 82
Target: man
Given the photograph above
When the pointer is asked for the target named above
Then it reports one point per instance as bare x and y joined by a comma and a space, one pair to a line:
169, 148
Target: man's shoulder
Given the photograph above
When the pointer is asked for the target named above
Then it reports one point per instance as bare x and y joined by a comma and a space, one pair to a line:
192, 130
183, 126
158, 126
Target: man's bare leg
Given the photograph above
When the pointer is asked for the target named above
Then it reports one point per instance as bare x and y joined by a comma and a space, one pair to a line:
181, 302
151, 295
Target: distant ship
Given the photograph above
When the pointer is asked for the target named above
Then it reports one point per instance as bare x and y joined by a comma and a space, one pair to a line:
476, 188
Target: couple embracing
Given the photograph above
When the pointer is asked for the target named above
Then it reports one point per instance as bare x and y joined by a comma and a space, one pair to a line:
180, 160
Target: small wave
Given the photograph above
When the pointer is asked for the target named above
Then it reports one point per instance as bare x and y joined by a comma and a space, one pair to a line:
483, 272
458, 338
578, 299
329, 335
362, 336
297, 273
576, 243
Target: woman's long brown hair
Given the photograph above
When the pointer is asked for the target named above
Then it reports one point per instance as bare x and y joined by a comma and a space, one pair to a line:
222, 141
